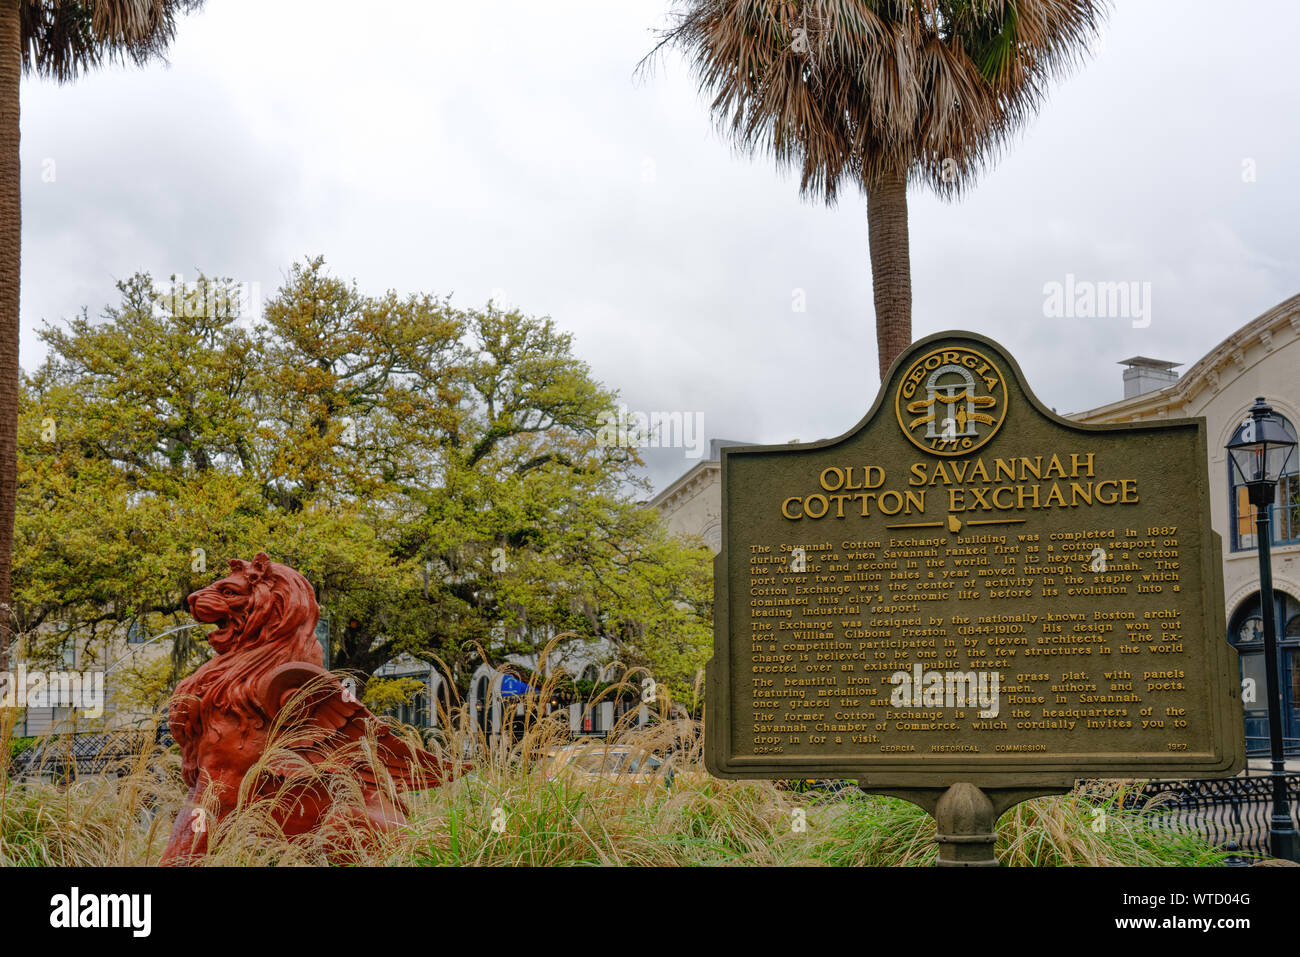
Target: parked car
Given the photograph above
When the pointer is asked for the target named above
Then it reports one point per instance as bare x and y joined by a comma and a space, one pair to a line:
626, 765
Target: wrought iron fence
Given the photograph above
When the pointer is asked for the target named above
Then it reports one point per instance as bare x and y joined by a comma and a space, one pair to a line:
62, 757
1222, 810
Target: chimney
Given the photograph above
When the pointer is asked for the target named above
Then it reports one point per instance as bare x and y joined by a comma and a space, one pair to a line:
717, 445
1143, 375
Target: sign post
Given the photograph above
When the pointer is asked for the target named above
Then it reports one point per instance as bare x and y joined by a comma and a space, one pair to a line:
967, 601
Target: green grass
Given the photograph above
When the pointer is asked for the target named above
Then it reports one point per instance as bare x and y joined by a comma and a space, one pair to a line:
578, 819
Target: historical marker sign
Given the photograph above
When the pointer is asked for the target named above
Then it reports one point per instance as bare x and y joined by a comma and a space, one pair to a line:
968, 588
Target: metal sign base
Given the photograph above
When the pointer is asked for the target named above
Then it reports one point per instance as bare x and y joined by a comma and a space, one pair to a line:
966, 817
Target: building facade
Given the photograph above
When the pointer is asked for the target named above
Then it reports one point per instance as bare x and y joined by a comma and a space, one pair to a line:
1262, 358
492, 701
100, 671
691, 505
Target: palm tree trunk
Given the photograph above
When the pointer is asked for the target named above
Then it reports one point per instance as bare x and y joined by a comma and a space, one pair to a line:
891, 266
11, 216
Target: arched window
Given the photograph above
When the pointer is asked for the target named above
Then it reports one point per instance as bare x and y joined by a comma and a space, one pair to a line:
1246, 632
482, 705
416, 711
1246, 626
1286, 505
443, 701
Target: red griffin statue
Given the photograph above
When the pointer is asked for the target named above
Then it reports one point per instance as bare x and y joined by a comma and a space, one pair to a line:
222, 715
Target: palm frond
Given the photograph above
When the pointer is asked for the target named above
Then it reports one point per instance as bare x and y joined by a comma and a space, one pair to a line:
64, 38
856, 90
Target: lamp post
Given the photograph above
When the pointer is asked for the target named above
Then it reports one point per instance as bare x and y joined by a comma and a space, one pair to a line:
1260, 451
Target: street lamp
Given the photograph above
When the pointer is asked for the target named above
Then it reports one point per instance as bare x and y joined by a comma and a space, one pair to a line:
1260, 451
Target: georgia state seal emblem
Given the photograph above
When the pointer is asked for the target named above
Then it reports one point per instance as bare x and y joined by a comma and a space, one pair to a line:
951, 401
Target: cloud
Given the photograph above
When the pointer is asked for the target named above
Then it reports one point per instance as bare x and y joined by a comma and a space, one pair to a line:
505, 148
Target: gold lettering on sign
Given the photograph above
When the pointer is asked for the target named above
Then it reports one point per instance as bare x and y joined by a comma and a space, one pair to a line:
969, 486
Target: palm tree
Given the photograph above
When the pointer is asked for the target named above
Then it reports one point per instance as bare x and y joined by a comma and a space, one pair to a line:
880, 92
60, 39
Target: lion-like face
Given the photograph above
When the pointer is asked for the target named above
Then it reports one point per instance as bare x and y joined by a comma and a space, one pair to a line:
226, 602
258, 601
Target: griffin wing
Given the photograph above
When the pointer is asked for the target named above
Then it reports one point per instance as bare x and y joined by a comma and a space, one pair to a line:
323, 721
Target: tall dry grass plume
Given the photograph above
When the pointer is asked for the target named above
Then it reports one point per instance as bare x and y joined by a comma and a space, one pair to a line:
638, 796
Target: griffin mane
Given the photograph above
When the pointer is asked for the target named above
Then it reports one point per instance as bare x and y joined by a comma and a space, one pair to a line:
280, 627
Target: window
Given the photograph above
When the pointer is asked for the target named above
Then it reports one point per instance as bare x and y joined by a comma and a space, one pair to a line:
415, 712
1246, 628
1285, 509
482, 706
1251, 630
1246, 631
68, 647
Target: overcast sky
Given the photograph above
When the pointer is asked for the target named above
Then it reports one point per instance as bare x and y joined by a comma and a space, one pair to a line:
505, 148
